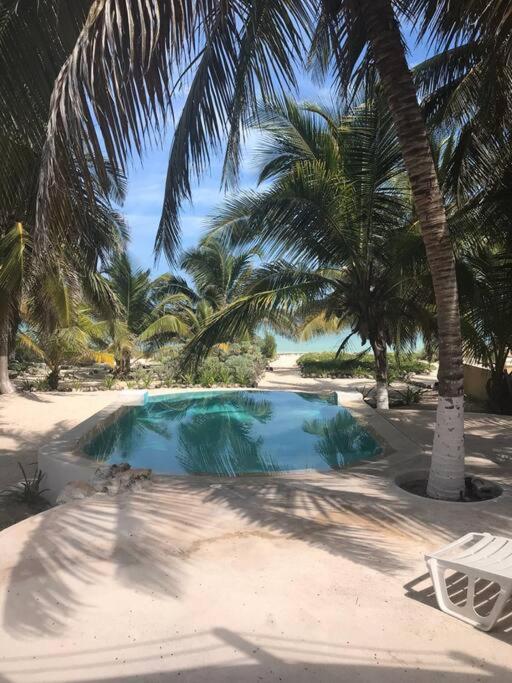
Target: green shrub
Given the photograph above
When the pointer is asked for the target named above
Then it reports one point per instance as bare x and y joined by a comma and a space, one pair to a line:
268, 346
109, 382
42, 384
143, 378
325, 364
31, 485
411, 395
241, 363
209, 372
168, 380
223, 374
242, 370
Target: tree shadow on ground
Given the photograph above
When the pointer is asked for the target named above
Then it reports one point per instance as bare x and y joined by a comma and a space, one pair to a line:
357, 513
241, 657
72, 547
487, 437
147, 538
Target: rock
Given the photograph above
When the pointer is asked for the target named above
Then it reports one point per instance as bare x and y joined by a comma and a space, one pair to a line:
116, 469
141, 473
481, 489
112, 486
75, 490
140, 485
120, 477
124, 478
101, 478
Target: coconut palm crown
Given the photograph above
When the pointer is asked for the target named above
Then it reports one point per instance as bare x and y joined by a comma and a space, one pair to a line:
337, 221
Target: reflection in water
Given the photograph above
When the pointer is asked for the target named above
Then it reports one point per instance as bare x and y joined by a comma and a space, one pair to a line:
227, 433
123, 434
341, 440
218, 438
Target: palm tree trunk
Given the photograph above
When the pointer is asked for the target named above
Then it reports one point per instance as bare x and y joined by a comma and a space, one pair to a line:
381, 373
446, 478
6, 386
125, 364
53, 379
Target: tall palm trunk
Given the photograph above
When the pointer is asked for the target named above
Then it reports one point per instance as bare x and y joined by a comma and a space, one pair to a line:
53, 378
446, 478
6, 386
125, 363
381, 373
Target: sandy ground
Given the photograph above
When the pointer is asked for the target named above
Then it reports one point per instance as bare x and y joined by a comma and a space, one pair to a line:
306, 578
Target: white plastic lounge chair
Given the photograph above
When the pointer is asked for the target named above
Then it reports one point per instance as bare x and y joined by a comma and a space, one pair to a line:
478, 556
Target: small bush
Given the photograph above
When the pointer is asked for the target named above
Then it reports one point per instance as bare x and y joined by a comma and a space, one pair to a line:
209, 372
268, 346
31, 485
109, 382
143, 378
243, 370
410, 396
42, 384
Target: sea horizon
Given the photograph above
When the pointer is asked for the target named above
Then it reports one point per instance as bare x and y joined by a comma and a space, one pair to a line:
327, 342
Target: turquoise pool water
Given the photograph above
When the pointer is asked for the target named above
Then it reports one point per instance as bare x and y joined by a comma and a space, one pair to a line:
229, 433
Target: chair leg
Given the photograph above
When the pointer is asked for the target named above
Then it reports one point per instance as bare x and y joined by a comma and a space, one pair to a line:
467, 611
439, 583
487, 623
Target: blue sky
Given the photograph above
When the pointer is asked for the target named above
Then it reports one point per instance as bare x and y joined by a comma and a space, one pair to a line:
146, 182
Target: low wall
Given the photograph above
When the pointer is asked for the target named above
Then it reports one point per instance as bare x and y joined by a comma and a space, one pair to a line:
475, 381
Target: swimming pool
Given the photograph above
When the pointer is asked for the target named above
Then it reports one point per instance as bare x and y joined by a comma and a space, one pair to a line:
229, 433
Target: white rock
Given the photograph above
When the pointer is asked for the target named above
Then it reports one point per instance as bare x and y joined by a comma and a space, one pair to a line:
75, 490
113, 486
140, 485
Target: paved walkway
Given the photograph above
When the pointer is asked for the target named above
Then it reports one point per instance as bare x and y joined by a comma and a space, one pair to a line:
316, 577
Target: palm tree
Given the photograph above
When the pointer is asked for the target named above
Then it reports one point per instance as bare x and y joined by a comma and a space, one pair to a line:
113, 88
72, 268
218, 273
338, 196
465, 87
13, 246
147, 310
485, 276
35, 39
58, 326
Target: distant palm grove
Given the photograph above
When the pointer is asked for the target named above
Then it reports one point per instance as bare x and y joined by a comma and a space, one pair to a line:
382, 212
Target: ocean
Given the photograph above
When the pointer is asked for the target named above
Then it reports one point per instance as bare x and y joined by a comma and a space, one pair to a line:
327, 342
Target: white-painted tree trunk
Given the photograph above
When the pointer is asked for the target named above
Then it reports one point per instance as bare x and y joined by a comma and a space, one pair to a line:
447, 467
382, 395
6, 386
379, 348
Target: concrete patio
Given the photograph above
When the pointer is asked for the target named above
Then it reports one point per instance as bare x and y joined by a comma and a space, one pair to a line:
316, 577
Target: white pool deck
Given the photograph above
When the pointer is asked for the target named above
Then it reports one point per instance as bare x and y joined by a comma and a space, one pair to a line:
311, 577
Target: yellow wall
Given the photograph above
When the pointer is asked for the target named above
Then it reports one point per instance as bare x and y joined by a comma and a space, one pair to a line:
475, 379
